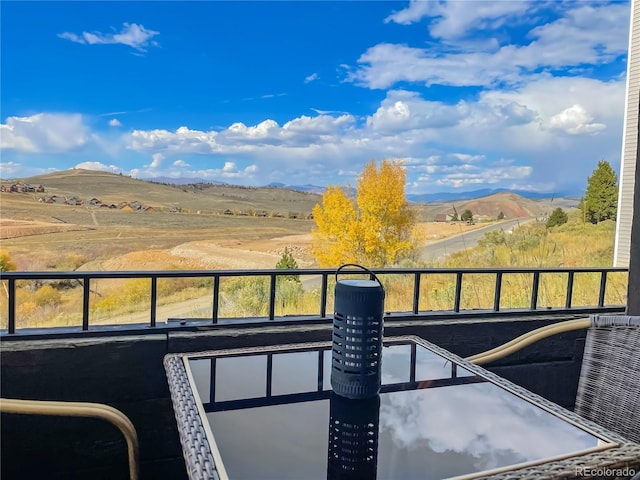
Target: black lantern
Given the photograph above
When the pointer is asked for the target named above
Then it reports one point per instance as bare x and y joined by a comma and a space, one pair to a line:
357, 337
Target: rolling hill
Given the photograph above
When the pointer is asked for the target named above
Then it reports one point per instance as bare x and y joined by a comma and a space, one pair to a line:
204, 197
215, 198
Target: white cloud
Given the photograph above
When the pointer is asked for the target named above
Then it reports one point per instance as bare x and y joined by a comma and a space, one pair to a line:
156, 160
515, 136
455, 19
180, 163
487, 176
311, 78
9, 169
404, 110
584, 35
98, 166
240, 138
416, 10
114, 122
44, 132
575, 120
132, 35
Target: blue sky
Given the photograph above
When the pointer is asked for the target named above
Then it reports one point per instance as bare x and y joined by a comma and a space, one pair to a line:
468, 94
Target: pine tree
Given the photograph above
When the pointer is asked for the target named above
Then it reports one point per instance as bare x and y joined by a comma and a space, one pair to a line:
288, 262
557, 217
601, 196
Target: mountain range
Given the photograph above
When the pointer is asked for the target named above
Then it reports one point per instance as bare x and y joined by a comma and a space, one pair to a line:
412, 197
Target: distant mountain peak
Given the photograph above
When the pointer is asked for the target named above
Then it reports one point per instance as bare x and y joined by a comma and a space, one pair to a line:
300, 188
485, 192
182, 180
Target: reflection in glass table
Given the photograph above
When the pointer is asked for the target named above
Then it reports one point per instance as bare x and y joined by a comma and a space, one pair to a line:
270, 414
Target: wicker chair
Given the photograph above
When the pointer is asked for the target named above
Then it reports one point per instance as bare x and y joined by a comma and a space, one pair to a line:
609, 384
85, 410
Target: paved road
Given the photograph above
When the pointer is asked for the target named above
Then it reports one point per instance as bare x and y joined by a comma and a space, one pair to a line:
441, 249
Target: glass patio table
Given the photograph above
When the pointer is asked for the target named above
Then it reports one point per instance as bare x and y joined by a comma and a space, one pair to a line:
270, 413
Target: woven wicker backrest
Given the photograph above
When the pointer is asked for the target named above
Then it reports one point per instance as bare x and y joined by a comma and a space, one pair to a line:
609, 385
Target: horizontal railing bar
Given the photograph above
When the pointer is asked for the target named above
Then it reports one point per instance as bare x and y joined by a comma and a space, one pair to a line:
43, 275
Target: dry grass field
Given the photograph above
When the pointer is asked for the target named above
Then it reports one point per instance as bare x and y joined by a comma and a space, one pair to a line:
43, 236
99, 239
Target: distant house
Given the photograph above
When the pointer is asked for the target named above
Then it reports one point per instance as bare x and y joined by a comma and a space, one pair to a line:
74, 201
5, 188
443, 217
53, 199
149, 209
227, 212
94, 202
125, 207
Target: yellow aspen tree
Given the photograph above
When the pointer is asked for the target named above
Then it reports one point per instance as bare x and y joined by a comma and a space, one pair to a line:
335, 222
374, 230
386, 222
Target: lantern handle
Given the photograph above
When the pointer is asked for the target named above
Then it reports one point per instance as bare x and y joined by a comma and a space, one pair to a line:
371, 274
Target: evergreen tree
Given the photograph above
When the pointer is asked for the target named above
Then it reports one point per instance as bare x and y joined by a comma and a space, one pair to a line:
601, 196
467, 216
501, 216
287, 262
558, 217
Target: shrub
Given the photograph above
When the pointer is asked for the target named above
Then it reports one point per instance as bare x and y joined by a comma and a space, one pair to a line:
47, 295
558, 217
6, 264
493, 238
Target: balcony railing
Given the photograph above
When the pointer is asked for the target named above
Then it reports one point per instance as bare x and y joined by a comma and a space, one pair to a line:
411, 293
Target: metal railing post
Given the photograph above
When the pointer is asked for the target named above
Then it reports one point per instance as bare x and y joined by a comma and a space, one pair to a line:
85, 302
497, 293
216, 299
458, 294
534, 290
272, 297
323, 295
569, 298
603, 288
154, 299
11, 321
416, 293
